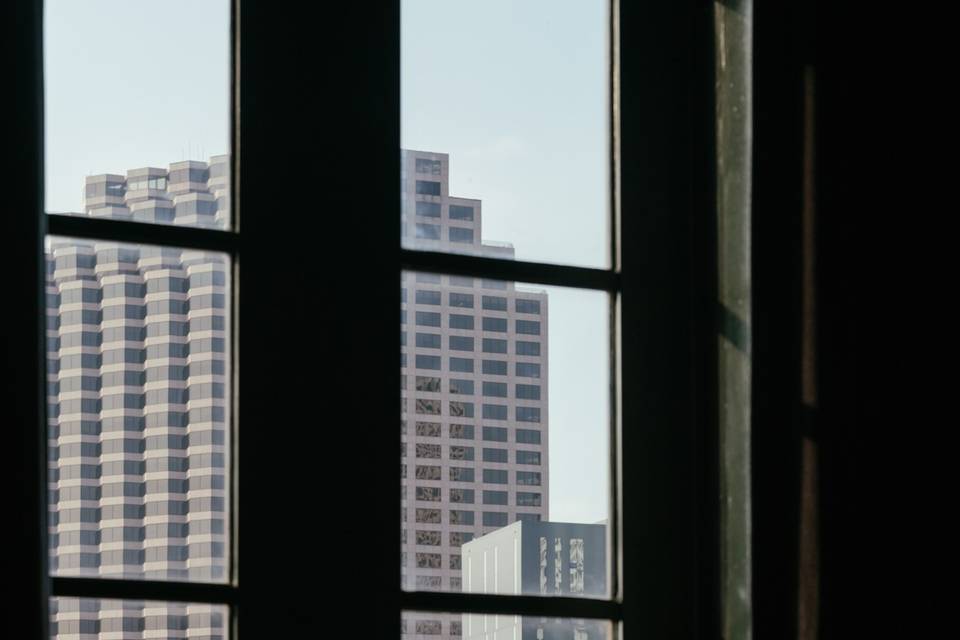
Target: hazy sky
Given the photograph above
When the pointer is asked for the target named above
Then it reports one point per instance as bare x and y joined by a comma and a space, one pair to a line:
514, 91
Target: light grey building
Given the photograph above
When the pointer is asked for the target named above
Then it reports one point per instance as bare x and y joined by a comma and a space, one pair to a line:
137, 357
474, 394
536, 558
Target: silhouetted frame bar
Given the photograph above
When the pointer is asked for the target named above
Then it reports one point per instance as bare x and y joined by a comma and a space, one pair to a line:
143, 233
669, 543
23, 373
159, 590
512, 270
535, 606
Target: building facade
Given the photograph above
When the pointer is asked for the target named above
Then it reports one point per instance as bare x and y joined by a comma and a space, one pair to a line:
536, 558
474, 394
138, 385
138, 380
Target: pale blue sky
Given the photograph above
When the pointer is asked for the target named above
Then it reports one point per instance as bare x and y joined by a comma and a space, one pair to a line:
131, 83
515, 92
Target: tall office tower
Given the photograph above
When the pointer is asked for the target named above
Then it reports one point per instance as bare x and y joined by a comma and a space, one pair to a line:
138, 386
473, 394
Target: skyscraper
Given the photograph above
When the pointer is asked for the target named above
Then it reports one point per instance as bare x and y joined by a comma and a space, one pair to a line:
138, 399
473, 393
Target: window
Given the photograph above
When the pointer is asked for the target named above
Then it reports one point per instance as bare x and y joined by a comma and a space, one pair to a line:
461, 343
494, 412
428, 297
462, 365
527, 306
495, 324
528, 391
619, 280
528, 327
497, 476
428, 383
459, 538
494, 303
428, 232
528, 370
525, 348
464, 496
528, 414
495, 389
463, 300
428, 429
495, 367
428, 188
461, 431
428, 209
494, 455
528, 457
427, 472
461, 517
494, 345
460, 212
461, 387
461, 474
430, 407
140, 285
427, 516
496, 434
428, 362
427, 318
427, 166
428, 494
428, 340
459, 234
461, 409
428, 278
495, 497
458, 321
460, 281
531, 478
461, 453
527, 499
494, 519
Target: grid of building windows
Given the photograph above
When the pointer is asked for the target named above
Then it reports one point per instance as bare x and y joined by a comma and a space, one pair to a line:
471, 384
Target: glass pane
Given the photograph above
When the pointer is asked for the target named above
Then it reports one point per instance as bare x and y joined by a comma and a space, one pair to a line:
504, 418
95, 619
433, 626
138, 365
504, 119
137, 128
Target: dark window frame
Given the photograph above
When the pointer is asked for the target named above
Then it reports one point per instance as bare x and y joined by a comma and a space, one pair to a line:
661, 199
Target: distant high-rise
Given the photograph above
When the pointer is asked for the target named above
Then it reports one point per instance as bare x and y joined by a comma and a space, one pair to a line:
137, 357
473, 393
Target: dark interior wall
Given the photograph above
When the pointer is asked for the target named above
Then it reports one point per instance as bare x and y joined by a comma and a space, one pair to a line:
776, 263
808, 427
